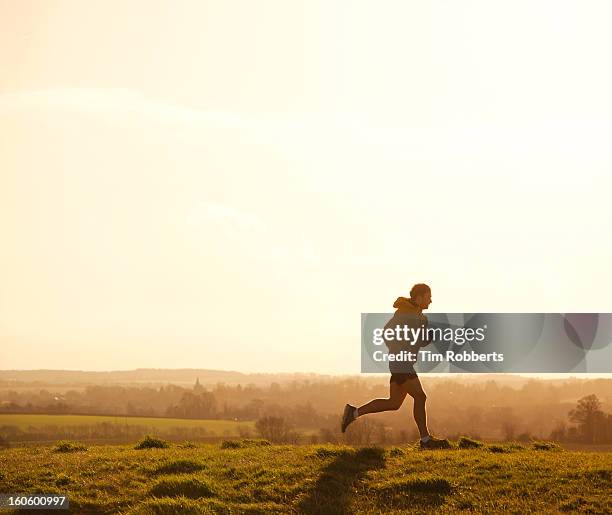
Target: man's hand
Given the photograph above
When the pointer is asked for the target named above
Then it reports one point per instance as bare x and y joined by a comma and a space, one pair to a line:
423, 343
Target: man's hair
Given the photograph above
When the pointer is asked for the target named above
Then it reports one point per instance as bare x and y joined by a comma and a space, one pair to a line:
419, 289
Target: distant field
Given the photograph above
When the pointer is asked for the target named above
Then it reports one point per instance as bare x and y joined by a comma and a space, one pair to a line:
249, 477
25, 421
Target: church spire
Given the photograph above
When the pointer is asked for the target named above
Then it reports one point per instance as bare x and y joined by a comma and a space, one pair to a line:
197, 387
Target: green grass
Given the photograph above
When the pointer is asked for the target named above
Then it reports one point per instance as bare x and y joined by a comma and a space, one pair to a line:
207, 478
177, 486
181, 466
219, 427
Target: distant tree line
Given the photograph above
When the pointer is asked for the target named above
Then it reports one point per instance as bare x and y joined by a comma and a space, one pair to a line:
456, 406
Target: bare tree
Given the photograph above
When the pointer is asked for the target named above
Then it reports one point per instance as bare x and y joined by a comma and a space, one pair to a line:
276, 429
363, 431
587, 414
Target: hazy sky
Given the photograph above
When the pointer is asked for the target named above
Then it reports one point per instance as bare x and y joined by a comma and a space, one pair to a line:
230, 184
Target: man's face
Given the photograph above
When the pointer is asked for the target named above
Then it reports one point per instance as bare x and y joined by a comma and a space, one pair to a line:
423, 301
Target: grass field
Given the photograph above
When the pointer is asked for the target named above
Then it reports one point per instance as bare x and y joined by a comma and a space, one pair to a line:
255, 478
24, 421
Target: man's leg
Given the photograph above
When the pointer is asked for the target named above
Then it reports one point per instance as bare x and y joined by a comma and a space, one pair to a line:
415, 390
397, 394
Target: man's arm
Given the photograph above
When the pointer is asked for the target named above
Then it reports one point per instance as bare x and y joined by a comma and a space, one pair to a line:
424, 341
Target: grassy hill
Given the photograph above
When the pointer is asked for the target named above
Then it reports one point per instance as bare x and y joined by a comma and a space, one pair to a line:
254, 477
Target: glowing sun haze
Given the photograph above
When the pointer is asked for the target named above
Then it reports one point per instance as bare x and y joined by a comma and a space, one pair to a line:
230, 184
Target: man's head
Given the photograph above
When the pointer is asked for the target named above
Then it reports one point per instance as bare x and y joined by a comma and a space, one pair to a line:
420, 294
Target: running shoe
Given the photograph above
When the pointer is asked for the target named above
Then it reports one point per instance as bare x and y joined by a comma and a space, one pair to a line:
347, 417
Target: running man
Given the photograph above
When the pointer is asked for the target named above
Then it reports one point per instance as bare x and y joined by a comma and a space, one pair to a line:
404, 380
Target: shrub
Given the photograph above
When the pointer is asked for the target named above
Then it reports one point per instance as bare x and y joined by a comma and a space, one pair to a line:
247, 442
545, 446
67, 446
190, 487
230, 444
255, 442
468, 443
148, 442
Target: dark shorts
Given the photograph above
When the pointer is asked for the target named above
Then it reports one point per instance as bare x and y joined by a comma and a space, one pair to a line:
402, 378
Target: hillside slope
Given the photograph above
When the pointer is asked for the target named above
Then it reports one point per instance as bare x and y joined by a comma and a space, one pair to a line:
260, 478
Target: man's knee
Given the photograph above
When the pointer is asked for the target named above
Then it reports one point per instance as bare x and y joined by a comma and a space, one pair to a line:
420, 396
395, 404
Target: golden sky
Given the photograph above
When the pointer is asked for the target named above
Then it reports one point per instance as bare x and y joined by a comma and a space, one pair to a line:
230, 184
